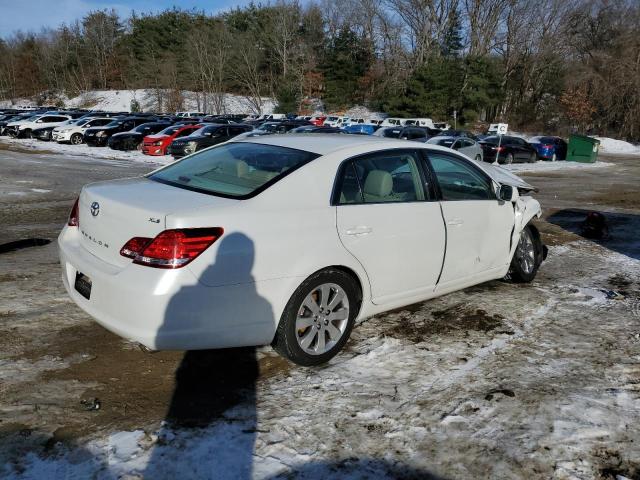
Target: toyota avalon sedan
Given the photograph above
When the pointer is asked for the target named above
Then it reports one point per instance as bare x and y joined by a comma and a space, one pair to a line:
289, 239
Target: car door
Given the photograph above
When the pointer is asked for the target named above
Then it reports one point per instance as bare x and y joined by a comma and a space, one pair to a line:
478, 225
389, 220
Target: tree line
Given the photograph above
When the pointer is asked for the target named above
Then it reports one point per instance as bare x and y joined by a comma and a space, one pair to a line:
552, 65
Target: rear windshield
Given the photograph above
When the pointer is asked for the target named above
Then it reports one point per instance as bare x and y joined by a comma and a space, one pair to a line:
236, 170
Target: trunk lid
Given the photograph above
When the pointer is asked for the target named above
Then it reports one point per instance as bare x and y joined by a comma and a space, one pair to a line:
113, 212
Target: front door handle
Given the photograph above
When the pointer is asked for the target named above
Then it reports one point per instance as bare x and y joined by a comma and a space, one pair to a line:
359, 231
456, 222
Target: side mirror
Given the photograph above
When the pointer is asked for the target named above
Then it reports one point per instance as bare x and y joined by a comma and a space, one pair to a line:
506, 193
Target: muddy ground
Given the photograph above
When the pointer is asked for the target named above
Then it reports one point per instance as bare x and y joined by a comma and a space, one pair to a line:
496, 381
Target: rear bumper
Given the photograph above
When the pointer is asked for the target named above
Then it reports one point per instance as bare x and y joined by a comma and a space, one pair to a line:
168, 309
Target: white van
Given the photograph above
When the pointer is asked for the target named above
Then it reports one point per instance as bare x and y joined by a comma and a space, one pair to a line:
420, 122
335, 121
392, 122
189, 114
272, 116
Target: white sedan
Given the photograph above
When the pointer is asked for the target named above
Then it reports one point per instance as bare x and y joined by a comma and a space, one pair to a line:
288, 239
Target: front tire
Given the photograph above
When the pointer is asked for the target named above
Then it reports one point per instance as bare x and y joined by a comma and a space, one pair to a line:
76, 139
527, 257
478, 158
319, 317
533, 158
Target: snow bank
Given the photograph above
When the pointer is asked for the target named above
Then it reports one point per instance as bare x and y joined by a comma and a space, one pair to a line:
85, 151
542, 166
613, 146
120, 100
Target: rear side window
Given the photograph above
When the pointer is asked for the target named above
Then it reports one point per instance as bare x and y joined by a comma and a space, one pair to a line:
381, 177
459, 180
235, 170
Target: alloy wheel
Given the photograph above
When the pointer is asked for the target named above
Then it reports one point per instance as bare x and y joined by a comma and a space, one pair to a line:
526, 252
322, 319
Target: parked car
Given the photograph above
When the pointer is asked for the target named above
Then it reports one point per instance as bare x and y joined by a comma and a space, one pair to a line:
419, 122
158, 143
336, 121
458, 133
442, 126
549, 148
45, 133
205, 137
218, 119
314, 129
270, 128
235, 262
132, 140
189, 114
99, 136
466, 146
361, 129
23, 128
419, 134
73, 132
10, 118
508, 150
392, 122
318, 120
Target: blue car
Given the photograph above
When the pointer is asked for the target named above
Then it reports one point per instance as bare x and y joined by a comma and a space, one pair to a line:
549, 148
361, 129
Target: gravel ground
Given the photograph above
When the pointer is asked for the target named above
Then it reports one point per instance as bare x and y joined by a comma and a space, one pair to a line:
496, 381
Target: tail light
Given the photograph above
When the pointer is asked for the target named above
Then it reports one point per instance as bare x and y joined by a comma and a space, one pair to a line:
499, 149
74, 216
171, 248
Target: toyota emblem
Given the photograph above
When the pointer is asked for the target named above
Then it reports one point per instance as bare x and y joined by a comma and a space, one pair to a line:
95, 209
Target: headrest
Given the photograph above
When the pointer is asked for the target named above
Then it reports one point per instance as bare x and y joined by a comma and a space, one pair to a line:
378, 183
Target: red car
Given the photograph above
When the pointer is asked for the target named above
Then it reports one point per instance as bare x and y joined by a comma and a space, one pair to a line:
157, 144
318, 120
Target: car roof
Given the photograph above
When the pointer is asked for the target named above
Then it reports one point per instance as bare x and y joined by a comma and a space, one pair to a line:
324, 144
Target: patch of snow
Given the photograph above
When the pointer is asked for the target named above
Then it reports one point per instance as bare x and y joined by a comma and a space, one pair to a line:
613, 146
124, 445
84, 150
542, 166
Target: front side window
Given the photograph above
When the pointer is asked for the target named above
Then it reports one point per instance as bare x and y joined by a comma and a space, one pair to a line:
236, 170
459, 180
382, 177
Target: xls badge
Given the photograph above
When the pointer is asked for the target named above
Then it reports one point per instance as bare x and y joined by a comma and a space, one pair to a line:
95, 209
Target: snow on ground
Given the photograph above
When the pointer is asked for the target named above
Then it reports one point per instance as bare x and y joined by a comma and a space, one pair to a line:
527, 393
544, 166
617, 147
86, 151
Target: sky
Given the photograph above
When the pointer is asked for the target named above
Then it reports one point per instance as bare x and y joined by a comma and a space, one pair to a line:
33, 15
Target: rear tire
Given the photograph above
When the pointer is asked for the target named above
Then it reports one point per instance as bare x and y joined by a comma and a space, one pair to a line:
527, 257
554, 157
478, 158
509, 159
319, 317
76, 139
533, 158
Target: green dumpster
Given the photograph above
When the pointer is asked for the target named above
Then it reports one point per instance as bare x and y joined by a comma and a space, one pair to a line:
582, 149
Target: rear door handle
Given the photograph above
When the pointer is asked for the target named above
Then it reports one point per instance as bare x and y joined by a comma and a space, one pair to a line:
456, 222
359, 231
